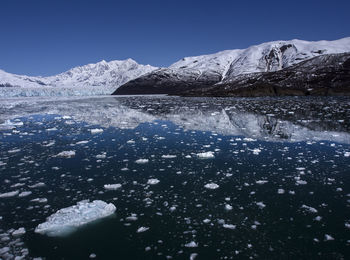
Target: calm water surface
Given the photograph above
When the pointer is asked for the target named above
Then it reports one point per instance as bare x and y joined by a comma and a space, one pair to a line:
281, 165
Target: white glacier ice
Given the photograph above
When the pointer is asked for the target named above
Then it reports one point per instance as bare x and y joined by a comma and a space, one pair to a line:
67, 220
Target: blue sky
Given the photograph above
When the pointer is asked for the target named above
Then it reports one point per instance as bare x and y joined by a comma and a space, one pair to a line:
48, 37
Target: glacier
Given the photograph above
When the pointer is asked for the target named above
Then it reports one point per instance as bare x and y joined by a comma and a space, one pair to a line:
101, 78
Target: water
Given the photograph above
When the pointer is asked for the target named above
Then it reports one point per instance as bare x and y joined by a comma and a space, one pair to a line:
281, 166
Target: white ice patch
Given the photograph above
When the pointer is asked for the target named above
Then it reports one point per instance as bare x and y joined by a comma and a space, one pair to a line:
211, 186
205, 155
229, 226
168, 156
261, 182
67, 220
309, 209
96, 130
9, 194
191, 244
112, 186
142, 161
66, 154
142, 229
261, 205
153, 181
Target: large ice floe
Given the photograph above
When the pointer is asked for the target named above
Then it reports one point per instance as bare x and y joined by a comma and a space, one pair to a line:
67, 220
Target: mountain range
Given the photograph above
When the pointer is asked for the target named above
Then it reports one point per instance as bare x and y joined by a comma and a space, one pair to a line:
292, 67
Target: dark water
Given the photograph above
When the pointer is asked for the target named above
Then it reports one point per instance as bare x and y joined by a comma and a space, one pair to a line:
282, 167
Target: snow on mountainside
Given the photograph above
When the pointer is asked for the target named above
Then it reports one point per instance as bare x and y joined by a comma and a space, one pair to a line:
270, 56
92, 79
207, 70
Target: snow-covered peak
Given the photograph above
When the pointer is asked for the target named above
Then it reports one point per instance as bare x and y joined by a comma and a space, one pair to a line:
98, 78
270, 56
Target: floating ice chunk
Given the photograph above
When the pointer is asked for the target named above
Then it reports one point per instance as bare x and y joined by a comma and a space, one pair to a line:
301, 182
101, 156
229, 226
228, 207
205, 155
67, 220
112, 186
24, 194
39, 200
206, 221
66, 154
328, 237
82, 142
188, 156
191, 244
14, 151
153, 181
280, 191
9, 194
211, 186
142, 229
66, 117
37, 185
168, 156
260, 182
309, 209
261, 205
347, 154
96, 130
256, 151
193, 256
19, 232
141, 161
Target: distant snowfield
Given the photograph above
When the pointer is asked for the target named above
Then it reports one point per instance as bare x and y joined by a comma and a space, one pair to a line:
103, 78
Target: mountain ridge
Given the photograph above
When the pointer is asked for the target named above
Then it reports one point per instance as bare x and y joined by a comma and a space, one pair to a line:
207, 70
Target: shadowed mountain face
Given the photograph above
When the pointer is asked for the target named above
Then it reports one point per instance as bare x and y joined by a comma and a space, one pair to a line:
325, 75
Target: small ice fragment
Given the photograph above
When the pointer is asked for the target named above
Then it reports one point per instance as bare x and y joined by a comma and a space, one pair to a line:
328, 237
9, 194
142, 161
261, 205
19, 232
96, 130
24, 194
229, 226
153, 181
309, 209
14, 151
82, 142
168, 156
211, 186
193, 256
142, 229
261, 182
280, 191
191, 244
256, 151
66, 154
228, 207
205, 155
301, 182
112, 186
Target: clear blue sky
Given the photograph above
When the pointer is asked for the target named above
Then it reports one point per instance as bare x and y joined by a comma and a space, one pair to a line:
46, 37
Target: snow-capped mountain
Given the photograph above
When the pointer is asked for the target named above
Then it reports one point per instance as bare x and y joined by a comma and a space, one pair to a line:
206, 70
92, 79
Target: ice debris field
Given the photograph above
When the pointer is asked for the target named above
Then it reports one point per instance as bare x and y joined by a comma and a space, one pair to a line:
164, 177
